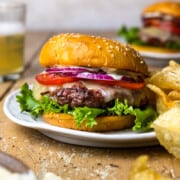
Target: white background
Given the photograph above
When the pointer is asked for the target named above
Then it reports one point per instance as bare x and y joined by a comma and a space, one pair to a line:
83, 14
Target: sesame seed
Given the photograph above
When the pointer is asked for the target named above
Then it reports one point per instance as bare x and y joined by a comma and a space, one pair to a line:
99, 47
117, 48
127, 48
111, 47
52, 41
93, 36
112, 55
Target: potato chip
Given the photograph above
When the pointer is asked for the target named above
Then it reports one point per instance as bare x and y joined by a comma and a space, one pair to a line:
167, 128
140, 171
167, 78
174, 95
166, 85
163, 102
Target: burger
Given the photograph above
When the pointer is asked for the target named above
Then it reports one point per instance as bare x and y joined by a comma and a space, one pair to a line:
160, 31
91, 84
161, 25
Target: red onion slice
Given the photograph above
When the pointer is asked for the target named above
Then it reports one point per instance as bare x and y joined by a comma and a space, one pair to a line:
94, 76
89, 73
71, 69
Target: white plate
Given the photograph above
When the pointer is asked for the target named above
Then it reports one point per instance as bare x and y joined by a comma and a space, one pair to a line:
125, 138
155, 58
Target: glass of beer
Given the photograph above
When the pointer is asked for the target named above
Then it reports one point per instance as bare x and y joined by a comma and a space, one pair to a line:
12, 35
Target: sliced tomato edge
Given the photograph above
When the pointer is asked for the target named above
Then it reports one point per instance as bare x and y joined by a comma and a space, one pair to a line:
68, 79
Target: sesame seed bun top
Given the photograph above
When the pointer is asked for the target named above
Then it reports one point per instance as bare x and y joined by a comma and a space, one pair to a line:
90, 51
168, 7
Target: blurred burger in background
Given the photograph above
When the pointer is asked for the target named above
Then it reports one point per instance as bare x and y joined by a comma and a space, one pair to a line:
160, 31
161, 25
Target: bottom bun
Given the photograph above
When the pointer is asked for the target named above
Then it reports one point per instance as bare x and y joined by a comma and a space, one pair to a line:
154, 49
105, 123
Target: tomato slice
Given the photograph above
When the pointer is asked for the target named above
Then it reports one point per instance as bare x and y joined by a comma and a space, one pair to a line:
168, 26
53, 79
123, 84
56, 79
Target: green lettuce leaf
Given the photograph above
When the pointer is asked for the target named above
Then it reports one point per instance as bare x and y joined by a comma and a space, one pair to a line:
85, 113
34, 107
143, 118
131, 35
28, 102
120, 108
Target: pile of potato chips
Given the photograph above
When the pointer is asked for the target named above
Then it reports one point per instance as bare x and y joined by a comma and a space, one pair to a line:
166, 85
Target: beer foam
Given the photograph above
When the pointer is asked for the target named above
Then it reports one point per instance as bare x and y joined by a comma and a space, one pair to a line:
9, 28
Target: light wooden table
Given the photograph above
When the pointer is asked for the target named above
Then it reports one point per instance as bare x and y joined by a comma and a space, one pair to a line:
43, 154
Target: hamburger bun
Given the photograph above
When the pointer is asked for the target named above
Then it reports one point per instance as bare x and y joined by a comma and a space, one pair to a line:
105, 123
167, 7
90, 51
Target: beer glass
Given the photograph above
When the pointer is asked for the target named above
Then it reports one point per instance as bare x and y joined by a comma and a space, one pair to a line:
12, 35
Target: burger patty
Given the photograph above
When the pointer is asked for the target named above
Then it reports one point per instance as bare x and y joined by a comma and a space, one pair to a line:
78, 95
